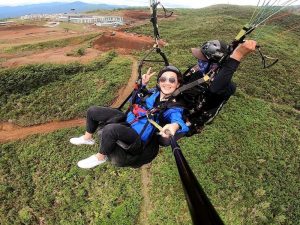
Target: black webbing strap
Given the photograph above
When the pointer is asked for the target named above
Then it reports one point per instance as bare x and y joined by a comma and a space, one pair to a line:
191, 70
191, 85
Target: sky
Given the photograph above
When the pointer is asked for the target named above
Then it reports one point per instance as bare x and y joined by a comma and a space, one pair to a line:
166, 3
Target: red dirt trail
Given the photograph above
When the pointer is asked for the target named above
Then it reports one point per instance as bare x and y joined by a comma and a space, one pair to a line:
11, 132
123, 43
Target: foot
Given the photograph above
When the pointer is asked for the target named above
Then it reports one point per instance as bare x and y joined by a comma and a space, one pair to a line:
82, 141
91, 162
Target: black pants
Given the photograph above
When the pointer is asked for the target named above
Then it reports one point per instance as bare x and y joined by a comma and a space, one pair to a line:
113, 126
100, 116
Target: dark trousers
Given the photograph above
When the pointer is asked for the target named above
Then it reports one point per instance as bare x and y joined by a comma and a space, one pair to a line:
114, 128
100, 116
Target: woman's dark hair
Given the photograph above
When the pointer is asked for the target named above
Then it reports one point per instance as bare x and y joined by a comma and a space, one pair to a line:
172, 69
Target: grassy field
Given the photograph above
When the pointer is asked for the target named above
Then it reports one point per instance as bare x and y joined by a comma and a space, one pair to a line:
50, 44
36, 94
247, 161
72, 26
41, 184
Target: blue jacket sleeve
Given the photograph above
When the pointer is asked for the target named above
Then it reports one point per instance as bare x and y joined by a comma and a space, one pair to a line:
174, 115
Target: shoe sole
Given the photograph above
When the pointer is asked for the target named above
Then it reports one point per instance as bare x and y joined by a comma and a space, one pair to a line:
82, 143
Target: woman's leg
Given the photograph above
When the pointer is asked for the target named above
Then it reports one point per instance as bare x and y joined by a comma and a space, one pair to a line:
112, 133
102, 115
96, 116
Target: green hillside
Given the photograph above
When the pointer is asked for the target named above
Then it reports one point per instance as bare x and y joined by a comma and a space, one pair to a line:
247, 161
36, 94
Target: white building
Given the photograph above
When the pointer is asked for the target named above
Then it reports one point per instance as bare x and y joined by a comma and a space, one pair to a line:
77, 18
40, 17
6, 23
98, 20
63, 19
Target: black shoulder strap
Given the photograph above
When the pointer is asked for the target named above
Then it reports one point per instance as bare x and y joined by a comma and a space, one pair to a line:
171, 102
191, 70
185, 87
139, 91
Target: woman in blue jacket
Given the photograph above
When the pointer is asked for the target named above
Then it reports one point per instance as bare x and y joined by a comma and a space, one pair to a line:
134, 128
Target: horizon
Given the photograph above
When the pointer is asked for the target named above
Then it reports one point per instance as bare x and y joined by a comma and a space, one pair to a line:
141, 3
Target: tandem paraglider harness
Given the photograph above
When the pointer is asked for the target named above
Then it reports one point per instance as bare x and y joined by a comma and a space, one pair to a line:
138, 107
201, 105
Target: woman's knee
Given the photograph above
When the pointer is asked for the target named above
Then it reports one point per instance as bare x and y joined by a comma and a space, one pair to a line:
109, 128
92, 110
109, 131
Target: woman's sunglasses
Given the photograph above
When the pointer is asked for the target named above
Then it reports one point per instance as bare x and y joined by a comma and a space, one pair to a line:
164, 79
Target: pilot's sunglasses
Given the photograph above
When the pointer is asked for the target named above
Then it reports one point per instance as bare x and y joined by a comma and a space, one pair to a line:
164, 79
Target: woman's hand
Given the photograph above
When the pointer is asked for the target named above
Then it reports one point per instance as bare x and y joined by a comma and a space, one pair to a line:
146, 77
243, 49
169, 129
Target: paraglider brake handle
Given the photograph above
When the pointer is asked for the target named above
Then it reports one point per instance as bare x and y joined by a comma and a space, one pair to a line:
264, 57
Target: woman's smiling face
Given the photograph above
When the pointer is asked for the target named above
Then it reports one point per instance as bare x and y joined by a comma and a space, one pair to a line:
168, 82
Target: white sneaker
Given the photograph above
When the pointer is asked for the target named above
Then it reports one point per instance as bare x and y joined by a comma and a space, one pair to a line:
81, 141
90, 162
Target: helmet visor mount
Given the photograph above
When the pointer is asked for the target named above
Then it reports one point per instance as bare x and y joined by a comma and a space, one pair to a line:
211, 51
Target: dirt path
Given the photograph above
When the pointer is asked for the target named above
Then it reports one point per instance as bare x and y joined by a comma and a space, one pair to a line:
51, 56
11, 132
145, 206
125, 91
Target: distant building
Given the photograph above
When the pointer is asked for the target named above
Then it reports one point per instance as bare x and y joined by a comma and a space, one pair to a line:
63, 19
109, 24
78, 18
39, 17
110, 21
99, 20
5, 23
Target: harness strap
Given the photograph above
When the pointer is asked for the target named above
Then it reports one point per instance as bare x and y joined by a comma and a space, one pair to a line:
136, 109
155, 124
136, 119
191, 85
192, 70
144, 128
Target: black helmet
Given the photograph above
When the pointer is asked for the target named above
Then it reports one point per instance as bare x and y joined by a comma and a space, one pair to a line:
211, 51
172, 69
